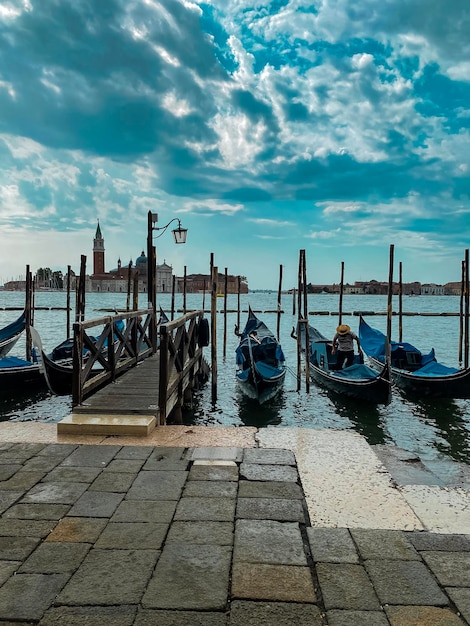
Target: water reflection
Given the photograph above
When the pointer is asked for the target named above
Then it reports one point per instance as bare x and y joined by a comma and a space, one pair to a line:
365, 417
448, 418
251, 413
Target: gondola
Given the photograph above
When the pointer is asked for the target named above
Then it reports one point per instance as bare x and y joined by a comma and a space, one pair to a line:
260, 360
10, 334
411, 370
17, 373
357, 381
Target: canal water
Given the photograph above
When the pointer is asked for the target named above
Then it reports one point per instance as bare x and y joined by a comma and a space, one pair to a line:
435, 430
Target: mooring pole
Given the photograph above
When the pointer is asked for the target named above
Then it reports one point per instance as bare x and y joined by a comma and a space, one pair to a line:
225, 313
279, 306
214, 275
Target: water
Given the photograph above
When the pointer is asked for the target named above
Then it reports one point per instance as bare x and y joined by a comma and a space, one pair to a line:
437, 431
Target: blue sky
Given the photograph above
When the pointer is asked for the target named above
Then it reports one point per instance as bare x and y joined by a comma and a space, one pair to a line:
335, 126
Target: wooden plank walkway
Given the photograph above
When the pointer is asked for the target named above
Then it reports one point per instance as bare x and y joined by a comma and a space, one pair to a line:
133, 393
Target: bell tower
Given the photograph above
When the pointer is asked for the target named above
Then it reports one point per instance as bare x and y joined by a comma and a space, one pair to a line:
98, 252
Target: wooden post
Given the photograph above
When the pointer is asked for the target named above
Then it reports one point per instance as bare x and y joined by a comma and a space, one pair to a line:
461, 313
214, 276
307, 334
299, 343
184, 291
389, 306
173, 290
225, 313
239, 287
129, 278
67, 332
467, 299
400, 301
293, 301
163, 382
341, 287
135, 292
28, 314
279, 306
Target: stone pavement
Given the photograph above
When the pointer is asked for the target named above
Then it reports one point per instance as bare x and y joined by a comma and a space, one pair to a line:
204, 536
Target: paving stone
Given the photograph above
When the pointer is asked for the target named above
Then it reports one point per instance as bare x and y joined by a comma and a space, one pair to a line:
78, 529
135, 452
17, 548
267, 541
332, 545
27, 596
271, 508
421, 616
41, 463
384, 544
166, 459
266, 489
215, 533
21, 481
55, 493
116, 482
269, 456
150, 617
96, 504
91, 456
7, 568
89, 615
55, 558
253, 471
437, 541
346, 586
215, 454
281, 583
404, 582
214, 472
58, 450
8, 470
210, 489
37, 511
157, 485
110, 577
23, 451
209, 509
24, 527
452, 569
357, 618
190, 577
161, 511
133, 535
130, 466
73, 474
461, 598
243, 613
7, 498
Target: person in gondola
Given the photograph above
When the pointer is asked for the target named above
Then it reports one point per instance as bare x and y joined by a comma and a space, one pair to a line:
343, 345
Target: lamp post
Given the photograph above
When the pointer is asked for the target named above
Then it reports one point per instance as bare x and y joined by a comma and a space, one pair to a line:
179, 235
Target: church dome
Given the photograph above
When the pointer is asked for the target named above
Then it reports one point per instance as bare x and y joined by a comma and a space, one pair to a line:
142, 259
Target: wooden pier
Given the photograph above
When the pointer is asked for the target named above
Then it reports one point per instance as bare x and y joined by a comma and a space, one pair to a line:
139, 392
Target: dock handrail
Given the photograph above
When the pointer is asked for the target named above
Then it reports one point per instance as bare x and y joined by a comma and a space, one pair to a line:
181, 359
117, 348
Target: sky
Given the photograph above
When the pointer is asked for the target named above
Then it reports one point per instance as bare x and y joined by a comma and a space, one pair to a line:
336, 127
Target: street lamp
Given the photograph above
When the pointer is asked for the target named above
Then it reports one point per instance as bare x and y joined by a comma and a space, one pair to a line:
179, 235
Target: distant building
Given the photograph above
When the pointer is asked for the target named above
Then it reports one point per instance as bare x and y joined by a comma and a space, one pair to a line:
430, 289
198, 283
117, 280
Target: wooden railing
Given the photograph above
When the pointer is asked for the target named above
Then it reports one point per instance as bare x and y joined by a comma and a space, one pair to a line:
124, 340
182, 364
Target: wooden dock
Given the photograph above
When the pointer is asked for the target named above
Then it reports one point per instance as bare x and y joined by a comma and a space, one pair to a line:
148, 391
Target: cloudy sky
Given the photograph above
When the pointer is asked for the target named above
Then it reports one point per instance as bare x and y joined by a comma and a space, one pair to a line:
335, 126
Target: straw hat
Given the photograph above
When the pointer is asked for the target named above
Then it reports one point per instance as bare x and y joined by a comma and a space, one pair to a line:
343, 329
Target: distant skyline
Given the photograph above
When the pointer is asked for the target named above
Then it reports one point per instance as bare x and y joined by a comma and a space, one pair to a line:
266, 127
